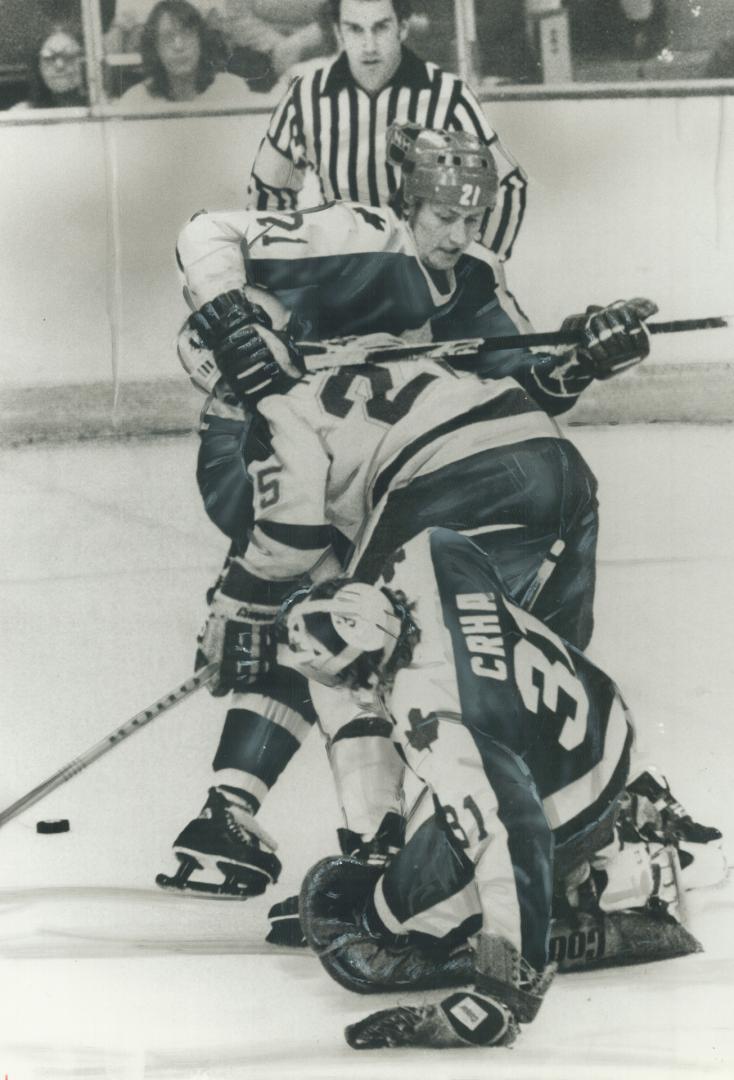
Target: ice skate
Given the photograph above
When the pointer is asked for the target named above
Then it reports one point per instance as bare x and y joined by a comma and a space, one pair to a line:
223, 853
658, 816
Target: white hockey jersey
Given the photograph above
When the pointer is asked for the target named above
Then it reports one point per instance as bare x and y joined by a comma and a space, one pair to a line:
341, 441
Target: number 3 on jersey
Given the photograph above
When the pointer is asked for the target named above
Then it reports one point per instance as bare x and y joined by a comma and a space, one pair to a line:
542, 680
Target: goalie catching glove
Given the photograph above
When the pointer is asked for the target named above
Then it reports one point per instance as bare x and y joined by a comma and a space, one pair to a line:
254, 359
237, 634
615, 337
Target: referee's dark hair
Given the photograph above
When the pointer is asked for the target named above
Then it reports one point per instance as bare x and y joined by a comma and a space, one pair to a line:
403, 9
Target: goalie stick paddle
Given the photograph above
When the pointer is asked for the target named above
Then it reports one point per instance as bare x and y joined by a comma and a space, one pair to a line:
135, 723
349, 352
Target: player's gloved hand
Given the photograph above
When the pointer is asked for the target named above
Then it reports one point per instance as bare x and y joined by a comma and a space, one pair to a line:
615, 337
238, 633
252, 365
257, 361
237, 636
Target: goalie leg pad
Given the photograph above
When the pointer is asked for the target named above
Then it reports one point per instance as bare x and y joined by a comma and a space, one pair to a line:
586, 942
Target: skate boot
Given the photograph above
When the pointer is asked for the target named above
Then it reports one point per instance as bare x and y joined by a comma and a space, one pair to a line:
224, 852
658, 816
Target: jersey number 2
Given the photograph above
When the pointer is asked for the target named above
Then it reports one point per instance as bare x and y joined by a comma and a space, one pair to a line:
376, 382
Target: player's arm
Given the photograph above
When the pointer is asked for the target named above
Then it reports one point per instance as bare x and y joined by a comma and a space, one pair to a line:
501, 228
291, 532
615, 339
278, 171
229, 334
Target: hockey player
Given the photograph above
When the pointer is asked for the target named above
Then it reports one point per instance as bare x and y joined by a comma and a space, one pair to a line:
524, 746
344, 269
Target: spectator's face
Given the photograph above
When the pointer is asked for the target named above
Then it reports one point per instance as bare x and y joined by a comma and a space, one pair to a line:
371, 36
443, 233
61, 63
179, 47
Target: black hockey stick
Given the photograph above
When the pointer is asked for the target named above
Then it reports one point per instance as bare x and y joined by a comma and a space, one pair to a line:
163, 704
348, 352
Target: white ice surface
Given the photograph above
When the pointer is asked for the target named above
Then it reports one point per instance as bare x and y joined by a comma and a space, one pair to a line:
105, 556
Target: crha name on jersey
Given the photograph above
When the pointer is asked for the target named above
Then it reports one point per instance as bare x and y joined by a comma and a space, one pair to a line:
482, 633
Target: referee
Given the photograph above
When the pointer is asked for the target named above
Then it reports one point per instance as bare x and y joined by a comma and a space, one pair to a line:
333, 120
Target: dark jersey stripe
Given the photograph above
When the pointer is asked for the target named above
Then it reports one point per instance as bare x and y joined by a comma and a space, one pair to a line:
511, 403
433, 101
316, 111
334, 144
392, 108
365, 726
302, 537
275, 138
353, 144
372, 158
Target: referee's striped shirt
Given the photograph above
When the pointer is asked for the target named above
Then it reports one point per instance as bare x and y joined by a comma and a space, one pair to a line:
327, 122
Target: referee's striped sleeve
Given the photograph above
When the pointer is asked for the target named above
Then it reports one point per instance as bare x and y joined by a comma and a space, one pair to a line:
503, 225
277, 172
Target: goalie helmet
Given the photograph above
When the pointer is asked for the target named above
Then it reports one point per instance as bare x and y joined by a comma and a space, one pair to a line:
451, 167
342, 632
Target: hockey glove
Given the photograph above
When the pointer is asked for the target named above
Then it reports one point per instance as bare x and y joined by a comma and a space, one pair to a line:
238, 633
615, 337
257, 361
251, 365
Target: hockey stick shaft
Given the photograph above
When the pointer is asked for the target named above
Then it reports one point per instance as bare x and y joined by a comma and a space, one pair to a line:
135, 723
319, 356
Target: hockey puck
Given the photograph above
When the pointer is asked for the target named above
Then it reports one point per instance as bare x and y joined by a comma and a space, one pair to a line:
61, 825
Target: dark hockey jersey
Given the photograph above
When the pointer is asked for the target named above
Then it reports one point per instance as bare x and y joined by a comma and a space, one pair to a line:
344, 269
493, 667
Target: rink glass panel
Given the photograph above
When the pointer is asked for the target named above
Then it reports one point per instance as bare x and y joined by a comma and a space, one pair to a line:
94, 199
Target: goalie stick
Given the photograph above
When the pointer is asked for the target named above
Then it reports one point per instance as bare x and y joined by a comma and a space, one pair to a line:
352, 351
163, 704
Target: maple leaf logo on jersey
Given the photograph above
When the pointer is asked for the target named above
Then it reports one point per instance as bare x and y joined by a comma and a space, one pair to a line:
424, 729
388, 570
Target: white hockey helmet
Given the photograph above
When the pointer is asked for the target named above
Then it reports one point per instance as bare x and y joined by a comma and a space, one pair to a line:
341, 632
451, 167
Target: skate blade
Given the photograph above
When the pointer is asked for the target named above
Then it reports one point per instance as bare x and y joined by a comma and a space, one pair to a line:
235, 882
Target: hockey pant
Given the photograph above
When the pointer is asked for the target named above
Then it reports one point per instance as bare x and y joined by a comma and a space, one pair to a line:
515, 502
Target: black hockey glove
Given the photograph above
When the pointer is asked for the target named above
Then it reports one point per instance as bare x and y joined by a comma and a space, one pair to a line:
238, 633
220, 317
252, 365
615, 337
257, 361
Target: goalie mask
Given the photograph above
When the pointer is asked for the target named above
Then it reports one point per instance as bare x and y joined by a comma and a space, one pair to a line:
342, 633
450, 167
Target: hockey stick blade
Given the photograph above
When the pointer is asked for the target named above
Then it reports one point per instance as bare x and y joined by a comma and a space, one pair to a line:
349, 352
135, 723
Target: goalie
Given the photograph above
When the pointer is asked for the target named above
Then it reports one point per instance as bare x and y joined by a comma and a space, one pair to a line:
524, 746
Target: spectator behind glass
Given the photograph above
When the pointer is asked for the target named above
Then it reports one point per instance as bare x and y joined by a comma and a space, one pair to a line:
182, 61
287, 31
721, 62
57, 72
